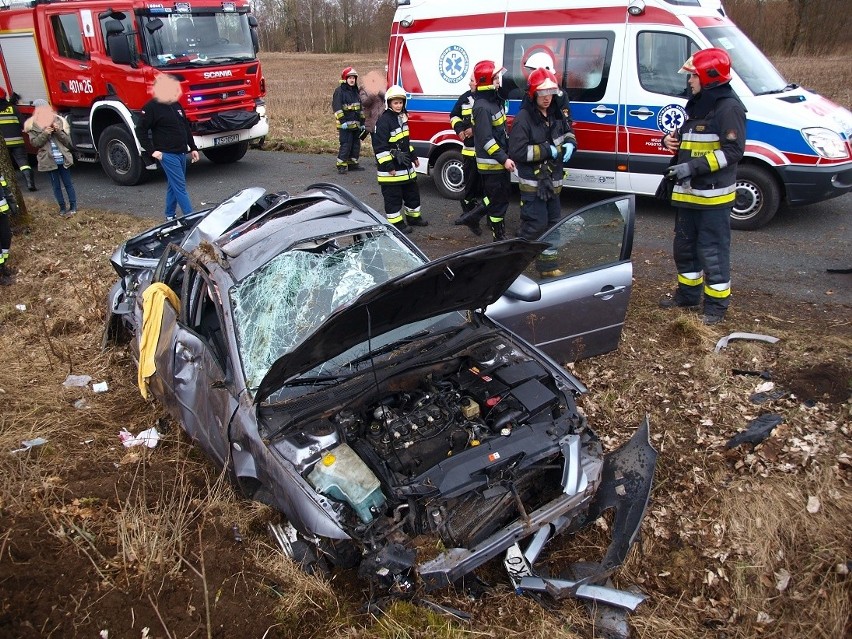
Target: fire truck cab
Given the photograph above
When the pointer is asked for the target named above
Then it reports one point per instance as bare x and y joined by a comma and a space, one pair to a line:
95, 61
618, 62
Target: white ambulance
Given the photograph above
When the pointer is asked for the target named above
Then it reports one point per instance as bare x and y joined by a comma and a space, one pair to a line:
618, 61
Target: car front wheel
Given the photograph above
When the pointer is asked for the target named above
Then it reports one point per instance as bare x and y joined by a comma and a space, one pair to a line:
448, 175
757, 200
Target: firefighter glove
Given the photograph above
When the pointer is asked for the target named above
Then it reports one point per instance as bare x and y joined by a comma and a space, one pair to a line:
679, 172
554, 152
567, 152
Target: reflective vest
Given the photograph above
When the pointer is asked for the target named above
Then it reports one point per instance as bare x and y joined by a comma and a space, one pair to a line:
10, 126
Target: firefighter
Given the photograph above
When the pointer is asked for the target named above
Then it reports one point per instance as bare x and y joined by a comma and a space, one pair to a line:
346, 104
397, 163
708, 146
541, 59
6, 273
12, 130
491, 144
536, 144
460, 120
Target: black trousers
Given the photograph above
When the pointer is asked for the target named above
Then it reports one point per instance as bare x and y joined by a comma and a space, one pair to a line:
495, 186
396, 194
702, 243
472, 193
350, 146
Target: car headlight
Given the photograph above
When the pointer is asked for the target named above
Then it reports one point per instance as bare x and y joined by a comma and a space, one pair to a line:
826, 143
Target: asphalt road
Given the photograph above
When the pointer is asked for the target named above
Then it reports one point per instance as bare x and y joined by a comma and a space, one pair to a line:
789, 259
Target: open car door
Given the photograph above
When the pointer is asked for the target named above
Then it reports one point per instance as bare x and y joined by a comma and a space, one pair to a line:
584, 280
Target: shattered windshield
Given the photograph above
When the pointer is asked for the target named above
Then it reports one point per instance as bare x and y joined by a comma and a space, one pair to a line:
197, 39
283, 302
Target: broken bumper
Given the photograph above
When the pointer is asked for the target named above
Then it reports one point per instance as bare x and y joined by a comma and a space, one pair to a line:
622, 481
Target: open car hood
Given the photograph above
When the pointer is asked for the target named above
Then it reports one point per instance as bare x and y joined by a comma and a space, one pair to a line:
467, 280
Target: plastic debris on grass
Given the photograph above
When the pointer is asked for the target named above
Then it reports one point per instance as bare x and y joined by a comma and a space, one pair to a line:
148, 438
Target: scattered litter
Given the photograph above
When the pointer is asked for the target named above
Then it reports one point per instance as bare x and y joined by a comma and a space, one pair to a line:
21, 307
237, 536
757, 430
813, 504
86, 442
100, 387
77, 381
764, 619
759, 398
765, 386
722, 343
760, 374
30, 443
782, 579
148, 438
80, 404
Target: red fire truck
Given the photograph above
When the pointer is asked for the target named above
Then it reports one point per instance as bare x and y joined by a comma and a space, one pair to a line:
95, 61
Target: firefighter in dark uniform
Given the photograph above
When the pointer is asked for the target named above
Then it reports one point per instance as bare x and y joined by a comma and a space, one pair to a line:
460, 120
709, 145
491, 143
12, 130
538, 60
6, 273
536, 144
349, 116
396, 163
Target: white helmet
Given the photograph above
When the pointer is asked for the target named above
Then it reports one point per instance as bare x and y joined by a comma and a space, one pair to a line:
395, 91
540, 60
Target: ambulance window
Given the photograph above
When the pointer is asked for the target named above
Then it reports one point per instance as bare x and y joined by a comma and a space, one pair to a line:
587, 68
660, 56
68, 34
581, 62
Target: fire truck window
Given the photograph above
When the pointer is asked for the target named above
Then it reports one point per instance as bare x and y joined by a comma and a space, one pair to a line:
68, 34
127, 28
660, 56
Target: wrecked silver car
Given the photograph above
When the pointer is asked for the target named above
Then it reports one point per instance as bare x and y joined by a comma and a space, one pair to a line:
362, 390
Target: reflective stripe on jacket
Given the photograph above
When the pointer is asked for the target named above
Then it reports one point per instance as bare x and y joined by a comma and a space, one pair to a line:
346, 104
712, 147
393, 149
10, 125
489, 132
461, 118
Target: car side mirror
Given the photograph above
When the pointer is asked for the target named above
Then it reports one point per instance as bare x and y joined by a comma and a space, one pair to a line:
524, 289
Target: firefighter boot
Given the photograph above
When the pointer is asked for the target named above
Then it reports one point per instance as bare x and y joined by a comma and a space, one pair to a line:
7, 275
498, 229
415, 220
471, 219
402, 227
29, 178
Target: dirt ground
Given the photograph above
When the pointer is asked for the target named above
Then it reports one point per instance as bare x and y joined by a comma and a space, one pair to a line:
98, 540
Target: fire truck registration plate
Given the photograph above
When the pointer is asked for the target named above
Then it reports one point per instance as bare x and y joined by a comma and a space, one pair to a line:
226, 139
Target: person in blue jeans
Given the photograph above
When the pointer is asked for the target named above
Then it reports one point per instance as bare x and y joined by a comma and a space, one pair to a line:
163, 131
48, 134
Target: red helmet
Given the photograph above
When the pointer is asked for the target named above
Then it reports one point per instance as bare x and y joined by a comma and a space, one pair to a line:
542, 82
712, 66
347, 72
487, 75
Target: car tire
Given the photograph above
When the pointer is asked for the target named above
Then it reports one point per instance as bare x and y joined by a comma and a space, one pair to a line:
120, 157
226, 154
448, 175
757, 200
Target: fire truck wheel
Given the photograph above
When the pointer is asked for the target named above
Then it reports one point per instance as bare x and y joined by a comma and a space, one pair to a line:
120, 157
758, 198
226, 154
448, 175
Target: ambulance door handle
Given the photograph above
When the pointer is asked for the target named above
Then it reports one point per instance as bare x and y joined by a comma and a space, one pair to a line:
643, 113
602, 110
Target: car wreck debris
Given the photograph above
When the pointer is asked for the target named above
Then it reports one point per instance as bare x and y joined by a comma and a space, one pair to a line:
757, 430
723, 342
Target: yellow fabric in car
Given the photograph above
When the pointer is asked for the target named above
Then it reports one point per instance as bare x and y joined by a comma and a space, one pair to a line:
153, 298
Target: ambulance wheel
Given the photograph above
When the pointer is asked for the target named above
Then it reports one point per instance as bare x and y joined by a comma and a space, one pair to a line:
448, 175
758, 198
119, 156
226, 154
